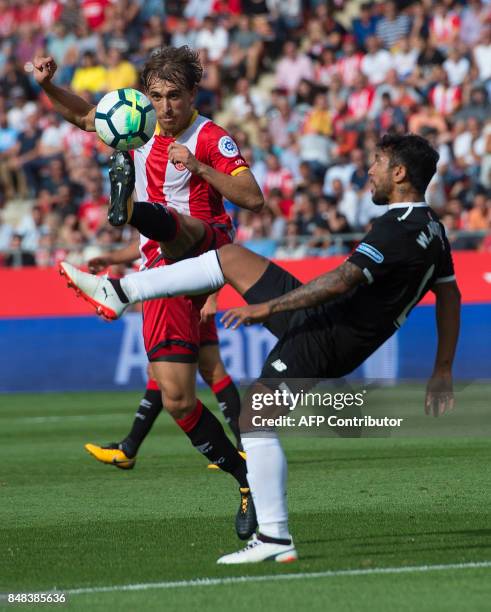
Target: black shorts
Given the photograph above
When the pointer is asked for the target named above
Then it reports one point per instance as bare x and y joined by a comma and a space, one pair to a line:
304, 348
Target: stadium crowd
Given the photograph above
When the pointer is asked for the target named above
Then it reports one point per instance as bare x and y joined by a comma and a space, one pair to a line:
306, 89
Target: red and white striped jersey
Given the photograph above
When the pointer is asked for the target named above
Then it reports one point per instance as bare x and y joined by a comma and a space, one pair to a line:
175, 186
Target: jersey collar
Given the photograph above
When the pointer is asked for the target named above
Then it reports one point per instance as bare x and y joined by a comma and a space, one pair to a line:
407, 204
191, 121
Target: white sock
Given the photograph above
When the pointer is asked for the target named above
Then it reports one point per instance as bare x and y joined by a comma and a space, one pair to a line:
266, 473
192, 276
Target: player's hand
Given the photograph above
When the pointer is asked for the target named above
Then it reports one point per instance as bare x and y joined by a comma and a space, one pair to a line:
209, 310
246, 315
44, 69
439, 394
97, 264
179, 154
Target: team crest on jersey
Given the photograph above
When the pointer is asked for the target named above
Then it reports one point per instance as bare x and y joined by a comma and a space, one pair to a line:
179, 166
227, 147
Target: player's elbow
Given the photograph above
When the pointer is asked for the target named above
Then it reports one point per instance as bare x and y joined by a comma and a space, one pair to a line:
255, 202
448, 293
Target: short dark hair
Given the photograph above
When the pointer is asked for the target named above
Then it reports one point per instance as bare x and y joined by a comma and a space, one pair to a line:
178, 65
414, 153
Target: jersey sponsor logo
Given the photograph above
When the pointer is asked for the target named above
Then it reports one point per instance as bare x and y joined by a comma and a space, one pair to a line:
279, 366
240, 162
370, 251
227, 147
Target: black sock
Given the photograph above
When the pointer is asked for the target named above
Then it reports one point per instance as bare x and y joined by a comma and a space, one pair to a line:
155, 221
149, 409
269, 540
228, 399
208, 437
116, 283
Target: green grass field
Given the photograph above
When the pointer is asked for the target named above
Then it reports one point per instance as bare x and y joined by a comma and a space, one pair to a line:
70, 522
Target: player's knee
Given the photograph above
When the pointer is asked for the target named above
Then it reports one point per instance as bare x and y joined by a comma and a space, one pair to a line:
179, 406
229, 255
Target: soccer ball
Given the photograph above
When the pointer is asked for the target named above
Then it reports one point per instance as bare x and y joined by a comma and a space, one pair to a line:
125, 119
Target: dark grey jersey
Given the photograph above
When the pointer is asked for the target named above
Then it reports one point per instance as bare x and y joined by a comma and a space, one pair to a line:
402, 257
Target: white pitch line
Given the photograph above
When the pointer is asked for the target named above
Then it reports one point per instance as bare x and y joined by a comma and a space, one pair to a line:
201, 582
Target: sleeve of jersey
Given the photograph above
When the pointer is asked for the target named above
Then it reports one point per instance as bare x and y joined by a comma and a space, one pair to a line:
223, 153
445, 272
378, 254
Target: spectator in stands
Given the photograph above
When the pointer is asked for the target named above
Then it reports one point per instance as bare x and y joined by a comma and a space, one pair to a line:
444, 27
9, 176
404, 58
389, 117
472, 21
292, 68
183, 34
456, 65
119, 72
426, 116
246, 103
482, 55
365, 25
250, 48
349, 62
479, 216
90, 76
292, 247
377, 62
360, 100
277, 177
477, 106
212, 37
18, 257
92, 213
392, 26
31, 227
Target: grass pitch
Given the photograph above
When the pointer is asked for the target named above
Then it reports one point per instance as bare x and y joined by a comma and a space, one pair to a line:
69, 522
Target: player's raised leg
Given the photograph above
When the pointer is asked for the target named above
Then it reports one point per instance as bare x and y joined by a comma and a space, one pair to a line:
207, 273
177, 233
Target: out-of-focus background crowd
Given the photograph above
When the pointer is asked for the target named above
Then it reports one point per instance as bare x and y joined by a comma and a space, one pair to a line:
305, 87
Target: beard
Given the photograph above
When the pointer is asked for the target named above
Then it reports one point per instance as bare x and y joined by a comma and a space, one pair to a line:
380, 197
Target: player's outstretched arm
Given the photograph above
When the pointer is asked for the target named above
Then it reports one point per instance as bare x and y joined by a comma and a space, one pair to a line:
439, 391
72, 107
318, 291
241, 189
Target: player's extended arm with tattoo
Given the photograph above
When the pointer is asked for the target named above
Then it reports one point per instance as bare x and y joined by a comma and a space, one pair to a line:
439, 392
318, 291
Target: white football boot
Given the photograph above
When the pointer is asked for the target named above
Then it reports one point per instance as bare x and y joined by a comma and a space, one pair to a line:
257, 551
97, 290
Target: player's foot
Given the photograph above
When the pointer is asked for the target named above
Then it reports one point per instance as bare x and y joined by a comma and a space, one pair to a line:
245, 519
122, 177
111, 454
257, 551
214, 466
104, 294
